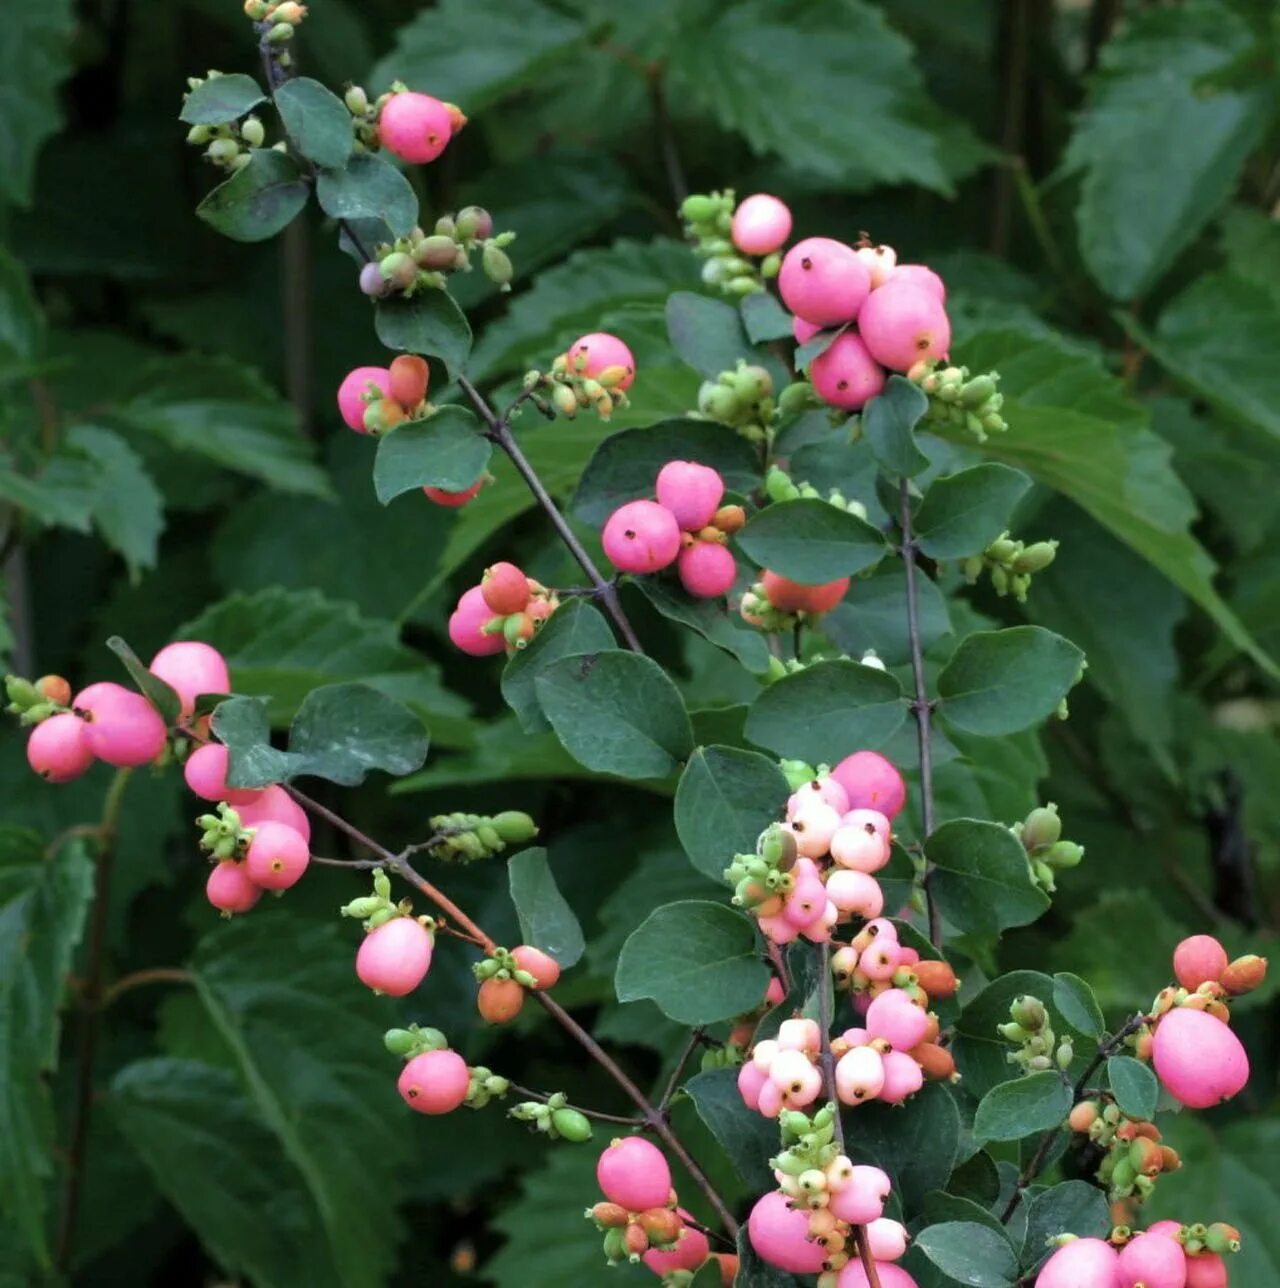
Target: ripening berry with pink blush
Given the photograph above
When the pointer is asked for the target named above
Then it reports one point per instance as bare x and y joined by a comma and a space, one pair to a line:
1199, 959
416, 127
542, 966
799, 1035
121, 727
691, 1250
504, 588
780, 1235
770, 1102
206, 774
799, 597
896, 1018
1207, 1270
435, 1082
805, 902
890, 1276
1169, 1228
230, 888
880, 262
190, 668
868, 818
855, 892
274, 805
886, 1239
641, 536
880, 960
277, 856
904, 324
919, 275
761, 224
818, 931
861, 1201
454, 500
633, 1173
598, 352
859, 847
903, 1077
351, 391
778, 928
825, 789
692, 493
871, 782
774, 995
394, 957
859, 1075
813, 827
1152, 1261
1083, 1263
1198, 1058
803, 331
58, 748
467, 623
845, 375
751, 1080
823, 281
707, 569
788, 1067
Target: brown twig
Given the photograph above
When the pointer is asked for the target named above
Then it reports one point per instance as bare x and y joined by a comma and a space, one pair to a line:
586, 1113
138, 978
690, 1046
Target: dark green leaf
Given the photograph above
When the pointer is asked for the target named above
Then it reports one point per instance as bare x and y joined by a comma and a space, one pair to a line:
318, 122
258, 200
827, 711
222, 99
1074, 998
981, 877
916, 1143
998, 682
964, 513
696, 960
1023, 1107
546, 920
764, 318
1074, 1207
815, 348
725, 799
810, 541
369, 187
616, 713
21, 322
446, 450
748, 1138
970, 1253
1135, 1087
979, 1049
889, 421
430, 324
713, 619
158, 693
873, 615
708, 333
940, 1206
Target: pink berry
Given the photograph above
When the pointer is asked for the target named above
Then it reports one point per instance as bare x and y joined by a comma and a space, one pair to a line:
692, 492
813, 827
394, 957
896, 1018
121, 727
504, 589
277, 856
803, 1089
845, 375
206, 775
351, 392
780, 1235
818, 931
823, 281
1206, 1270
691, 1250
467, 622
707, 569
903, 1077
274, 805
879, 928
751, 1079
859, 1075
880, 960
774, 995
803, 331
887, 1239
1152, 1261
641, 536
801, 597
861, 1200
633, 1173
1083, 1263
789, 1068
761, 224
778, 928
542, 966
1198, 960
890, 1276
454, 500
770, 1101
919, 275
799, 1035
880, 262
598, 352
871, 783
58, 748
859, 847
868, 818
435, 1082
191, 668
855, 892
1198, 1058
230, 888
416, 127
1169, 1228
903, 324
825, 789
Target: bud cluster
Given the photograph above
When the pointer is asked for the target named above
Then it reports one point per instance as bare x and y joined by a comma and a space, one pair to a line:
779, 486
504, 976
228, 144
1134, 1157
464, 838
1041, 836
275, 22
421, 261
640, 1215
779, 668
555, 1118
33, 701
1011, 564
1031, 1031
504, 612
594, 372
739, 244
742, 398
958, 399
485, 1085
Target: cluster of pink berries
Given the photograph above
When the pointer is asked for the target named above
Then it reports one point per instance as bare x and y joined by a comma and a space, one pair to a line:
687, 525
505, 611
1168, 1255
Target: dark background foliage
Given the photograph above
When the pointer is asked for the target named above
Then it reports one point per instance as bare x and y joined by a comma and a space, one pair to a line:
1097, 183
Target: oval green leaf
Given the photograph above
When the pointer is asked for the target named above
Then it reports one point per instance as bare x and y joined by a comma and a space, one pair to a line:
1023, 1107
446, 450
981, 877
317, 120
258, 200
811, 541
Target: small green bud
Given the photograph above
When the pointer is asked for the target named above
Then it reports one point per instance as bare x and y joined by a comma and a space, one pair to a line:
362, 908
357, 100
400, 1041
398, 269
1029, 1012
571, 1125
381, 884
497, 265
1064, 854
514, 827
698, 209
253, 132
1036, 557
436, 252
1042, 827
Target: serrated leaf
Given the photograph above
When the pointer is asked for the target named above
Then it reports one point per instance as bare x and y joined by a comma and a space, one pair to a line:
369, 187
616, 713
429, 323
970, 1253
1074, 998
889, 421
160, 694
981, 877
696, 960
811, 541
317, 120
1023, 1107
222, 99
1134, 1085
725, 799
827, 711
964, 513
258, 200
748, 1138
1074, 1207
546, 920
999, 682
447, 450
713, 619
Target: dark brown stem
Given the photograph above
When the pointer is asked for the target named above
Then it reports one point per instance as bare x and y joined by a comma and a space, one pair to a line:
1016, 20
586, 1113
154, 975
295, 265
690, 1046
655, 75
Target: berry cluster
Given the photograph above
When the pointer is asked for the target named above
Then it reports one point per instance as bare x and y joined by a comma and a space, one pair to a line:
504, 612
435, 1080
504, 976
1036, 1046
742, 398
1047, 853
729, 238
1168, 1255
595, 371
1134, 1157
776, 603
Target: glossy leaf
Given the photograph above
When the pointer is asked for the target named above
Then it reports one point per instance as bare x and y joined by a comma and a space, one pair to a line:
1023, 1106
889, 421
981, 877
964, 513
1134, 1086
970, 1253
429, 323
447, 450
1074, 998
810, 541
368, 187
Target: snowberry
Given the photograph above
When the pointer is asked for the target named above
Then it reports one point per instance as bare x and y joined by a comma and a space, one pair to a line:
880, 262
860, 847
761, 224
191, 668
58, 748
1198, 959
813, 827
788, 1067
435, 1082
1206, 1270
351, 391
751, 1079
903, 324
206, 775
394, 957
798, 597
499, 1001
274, 805
763, 1055
880, 960
277, 856
542, 966
803, 1089
887, 1239
803, 331
416, 127
454, 500
707, 569
896, 1018
919, 275
1082, 1263
861, 1201
903, 1077
641, 536
856, 892
504, 589
692, 492
859, 1075
590, 355
780, 1235
774, 994
1152, 1261
799, 1035
690, 1251
845, 375
890, 1276
823, 281
937, 978
825, 789
121, 727
467, 622
408, 376
1198, 1058
871, 782
806, 901
633, 1173
230, 888
769, 1102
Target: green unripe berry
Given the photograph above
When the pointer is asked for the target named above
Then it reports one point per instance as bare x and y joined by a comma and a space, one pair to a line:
571, 1125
